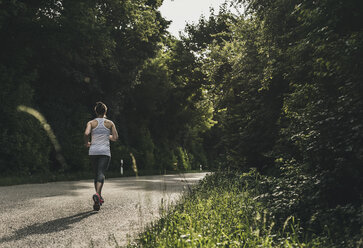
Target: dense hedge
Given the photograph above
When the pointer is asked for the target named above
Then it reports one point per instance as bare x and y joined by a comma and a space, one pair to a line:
249, 210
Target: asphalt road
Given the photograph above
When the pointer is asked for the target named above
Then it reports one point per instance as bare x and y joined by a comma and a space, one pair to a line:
61, 215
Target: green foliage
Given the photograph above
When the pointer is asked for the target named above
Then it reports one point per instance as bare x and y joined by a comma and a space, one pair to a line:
165, 158
61, 57
214, 29
324, 109
183, 159
145, 149
296, 192
249, 106
168, 99
223, 212
72, 54
286, 84
22, 154
24, 147
278, 88
286, 90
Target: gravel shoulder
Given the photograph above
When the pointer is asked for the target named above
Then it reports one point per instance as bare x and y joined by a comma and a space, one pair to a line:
60, 214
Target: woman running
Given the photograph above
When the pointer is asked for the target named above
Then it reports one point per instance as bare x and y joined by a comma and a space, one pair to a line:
101, 131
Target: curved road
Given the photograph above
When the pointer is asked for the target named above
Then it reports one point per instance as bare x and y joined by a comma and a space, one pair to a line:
60, 214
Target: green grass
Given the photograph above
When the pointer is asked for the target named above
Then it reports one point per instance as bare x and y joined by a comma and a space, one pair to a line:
221, 212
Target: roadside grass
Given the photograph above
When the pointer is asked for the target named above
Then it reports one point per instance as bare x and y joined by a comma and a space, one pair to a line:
222, 211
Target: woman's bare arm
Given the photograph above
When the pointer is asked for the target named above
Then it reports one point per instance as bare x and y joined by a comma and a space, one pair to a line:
87, 133
114, 134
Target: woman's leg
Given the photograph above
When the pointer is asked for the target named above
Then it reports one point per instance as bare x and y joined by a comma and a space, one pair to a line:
103, 162
94, 163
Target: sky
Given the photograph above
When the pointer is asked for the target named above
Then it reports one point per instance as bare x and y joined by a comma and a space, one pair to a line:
186, 11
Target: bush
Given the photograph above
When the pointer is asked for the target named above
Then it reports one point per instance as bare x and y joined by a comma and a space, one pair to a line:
223, 210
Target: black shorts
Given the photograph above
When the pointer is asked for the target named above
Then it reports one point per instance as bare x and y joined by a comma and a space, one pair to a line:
100, 164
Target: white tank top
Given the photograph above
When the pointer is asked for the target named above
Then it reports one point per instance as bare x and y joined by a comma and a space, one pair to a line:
100, 141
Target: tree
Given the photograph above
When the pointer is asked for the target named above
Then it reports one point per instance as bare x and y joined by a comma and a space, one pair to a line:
71, 54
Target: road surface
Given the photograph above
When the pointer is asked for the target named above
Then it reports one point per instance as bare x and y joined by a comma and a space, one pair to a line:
60, 214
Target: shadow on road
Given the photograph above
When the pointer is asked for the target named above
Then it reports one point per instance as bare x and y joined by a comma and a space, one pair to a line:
47, 227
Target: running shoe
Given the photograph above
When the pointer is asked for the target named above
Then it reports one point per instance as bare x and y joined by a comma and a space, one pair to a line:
96, 200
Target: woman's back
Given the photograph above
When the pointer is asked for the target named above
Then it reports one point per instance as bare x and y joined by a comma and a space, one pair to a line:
100, 138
